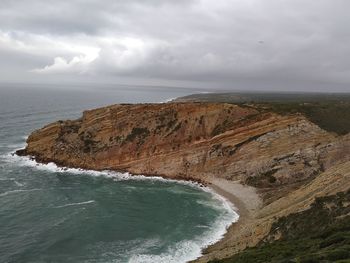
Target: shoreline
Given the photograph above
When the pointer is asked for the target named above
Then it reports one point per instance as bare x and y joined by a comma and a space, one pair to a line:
246, 202
243, 199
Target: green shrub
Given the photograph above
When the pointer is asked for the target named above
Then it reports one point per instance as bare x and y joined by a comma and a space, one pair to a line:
137, 132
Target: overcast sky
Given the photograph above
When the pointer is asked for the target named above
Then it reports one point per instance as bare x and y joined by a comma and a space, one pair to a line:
238, 44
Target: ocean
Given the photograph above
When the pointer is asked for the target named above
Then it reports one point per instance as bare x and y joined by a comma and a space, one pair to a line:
51, 214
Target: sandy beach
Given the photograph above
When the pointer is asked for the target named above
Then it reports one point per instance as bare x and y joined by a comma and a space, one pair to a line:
244, 197
246, 201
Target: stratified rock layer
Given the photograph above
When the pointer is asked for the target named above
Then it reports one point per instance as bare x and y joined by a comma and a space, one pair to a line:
277, 154
191, 140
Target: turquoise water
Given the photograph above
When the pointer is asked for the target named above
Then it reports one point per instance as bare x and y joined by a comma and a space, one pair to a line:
49, 214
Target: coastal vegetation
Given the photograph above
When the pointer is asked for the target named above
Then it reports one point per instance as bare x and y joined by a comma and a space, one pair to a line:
137, 132
333, 116
318, 234
329, 111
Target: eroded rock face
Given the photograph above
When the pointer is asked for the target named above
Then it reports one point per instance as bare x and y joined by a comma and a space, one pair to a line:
261, 227
192, 140
289, 159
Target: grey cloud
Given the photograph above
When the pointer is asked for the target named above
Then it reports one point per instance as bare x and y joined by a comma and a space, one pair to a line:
228, 42
73, 16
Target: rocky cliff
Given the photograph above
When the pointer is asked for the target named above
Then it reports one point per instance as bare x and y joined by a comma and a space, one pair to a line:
279, 155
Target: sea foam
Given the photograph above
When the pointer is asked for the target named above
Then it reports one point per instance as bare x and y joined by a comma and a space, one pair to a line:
19, 191
188, 250
180, 252
26, 161
76, 204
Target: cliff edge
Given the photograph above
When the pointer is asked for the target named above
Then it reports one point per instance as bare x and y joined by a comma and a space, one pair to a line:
288, 159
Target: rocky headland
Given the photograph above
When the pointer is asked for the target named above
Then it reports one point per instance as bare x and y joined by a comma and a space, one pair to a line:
270, 165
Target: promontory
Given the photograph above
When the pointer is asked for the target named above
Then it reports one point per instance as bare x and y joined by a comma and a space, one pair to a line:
286, 173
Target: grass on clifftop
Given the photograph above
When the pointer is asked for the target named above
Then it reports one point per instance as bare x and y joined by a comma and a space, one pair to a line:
319, 234
332, 116
331, 112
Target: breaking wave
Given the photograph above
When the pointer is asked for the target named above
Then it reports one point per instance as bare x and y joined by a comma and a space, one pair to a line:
188, 250
117, 176
180, 252
19, 191
75, 204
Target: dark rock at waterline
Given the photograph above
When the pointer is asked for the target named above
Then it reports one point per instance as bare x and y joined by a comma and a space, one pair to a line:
20, 152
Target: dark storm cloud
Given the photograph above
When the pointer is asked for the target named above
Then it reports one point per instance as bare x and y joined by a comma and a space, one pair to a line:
228, 42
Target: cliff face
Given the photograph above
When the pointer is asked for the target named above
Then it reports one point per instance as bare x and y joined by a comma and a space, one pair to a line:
192, 140
289, 159
261, 228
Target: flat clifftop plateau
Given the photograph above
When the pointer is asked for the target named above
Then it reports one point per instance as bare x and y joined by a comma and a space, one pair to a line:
276, 154
330, 111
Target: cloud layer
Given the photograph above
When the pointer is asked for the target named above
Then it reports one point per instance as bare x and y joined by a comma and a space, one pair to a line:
226, 42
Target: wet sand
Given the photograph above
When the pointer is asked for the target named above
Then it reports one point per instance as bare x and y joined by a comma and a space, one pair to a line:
246, 201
